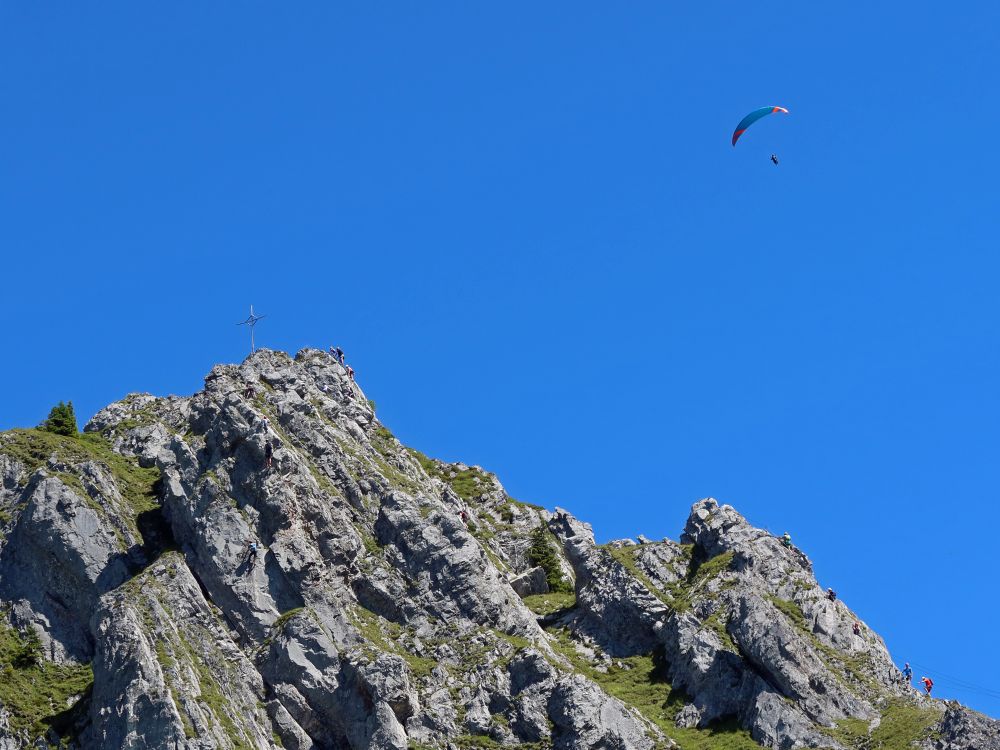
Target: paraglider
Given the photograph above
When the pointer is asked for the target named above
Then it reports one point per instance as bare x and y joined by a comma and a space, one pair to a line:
774, 159
751, 118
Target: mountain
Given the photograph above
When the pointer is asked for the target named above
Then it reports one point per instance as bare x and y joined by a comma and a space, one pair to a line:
396, 601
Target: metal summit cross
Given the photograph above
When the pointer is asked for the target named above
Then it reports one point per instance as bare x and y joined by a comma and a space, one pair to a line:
251, 321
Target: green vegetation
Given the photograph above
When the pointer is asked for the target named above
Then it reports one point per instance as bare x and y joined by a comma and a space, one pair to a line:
285, 617
523, 504
625, 556
717, 621
383, 636
468, 484
903, 723
476, 741
546, 604
848, 731
384, 439
838, 663
698, 576
35, 691
712, 567
61, 420
679, 594
543, 553
518, 642
792, 611
641, 682
34, 447
212, 697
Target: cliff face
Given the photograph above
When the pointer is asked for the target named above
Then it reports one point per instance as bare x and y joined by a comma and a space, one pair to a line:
395, 601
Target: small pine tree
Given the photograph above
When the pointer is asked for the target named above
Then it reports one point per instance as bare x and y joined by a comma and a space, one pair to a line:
542, 554
28, 652
62, 420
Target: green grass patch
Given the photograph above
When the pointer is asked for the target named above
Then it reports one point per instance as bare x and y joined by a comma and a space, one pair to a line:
712, 567
625, 556
476, 741
641, 682
698, 576
468, 483
717, 621
382, 636
903, 723
848, 732
855, 665
221, 709
546, 604
33, 448
284, 618
792, 611
383, 440
36, 691
523, 504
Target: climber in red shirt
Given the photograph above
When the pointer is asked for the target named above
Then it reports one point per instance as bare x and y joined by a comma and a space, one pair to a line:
928, 684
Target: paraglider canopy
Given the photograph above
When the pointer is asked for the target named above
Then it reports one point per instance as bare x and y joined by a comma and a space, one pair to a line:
751, 118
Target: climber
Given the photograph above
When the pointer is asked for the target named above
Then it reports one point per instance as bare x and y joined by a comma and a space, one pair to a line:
248, 392
464, 516
787, 540
350, 372
831, 595
340, 355
907, 673
928, 684
857, 628
268, 454
264, 423
251, 552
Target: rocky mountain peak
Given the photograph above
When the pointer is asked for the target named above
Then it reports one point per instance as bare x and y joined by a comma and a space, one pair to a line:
263, 564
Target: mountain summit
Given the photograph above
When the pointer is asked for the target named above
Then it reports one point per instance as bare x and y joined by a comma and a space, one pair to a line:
264, 565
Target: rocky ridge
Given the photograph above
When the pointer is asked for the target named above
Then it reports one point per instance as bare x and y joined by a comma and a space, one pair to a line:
396, 601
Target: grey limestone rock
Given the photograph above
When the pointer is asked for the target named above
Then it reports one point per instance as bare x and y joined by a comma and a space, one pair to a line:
263, 564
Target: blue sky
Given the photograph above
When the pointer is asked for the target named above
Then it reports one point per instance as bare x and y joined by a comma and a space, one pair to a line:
525, 224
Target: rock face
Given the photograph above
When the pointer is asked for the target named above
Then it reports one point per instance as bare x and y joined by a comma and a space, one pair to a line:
264, 565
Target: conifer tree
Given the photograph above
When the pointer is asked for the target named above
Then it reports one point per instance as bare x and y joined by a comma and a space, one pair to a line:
62, 420
543, 554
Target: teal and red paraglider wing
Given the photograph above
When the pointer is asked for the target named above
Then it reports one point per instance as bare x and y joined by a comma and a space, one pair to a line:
751, 118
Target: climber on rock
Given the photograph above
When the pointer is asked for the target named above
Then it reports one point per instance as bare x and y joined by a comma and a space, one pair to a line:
339, 353
907, 673
350, 372
268, 454
831, 595
787, 540
928, 684
248, 392
251, 553
857, 628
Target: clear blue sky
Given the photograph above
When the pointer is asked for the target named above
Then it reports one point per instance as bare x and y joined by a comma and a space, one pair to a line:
525, 224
